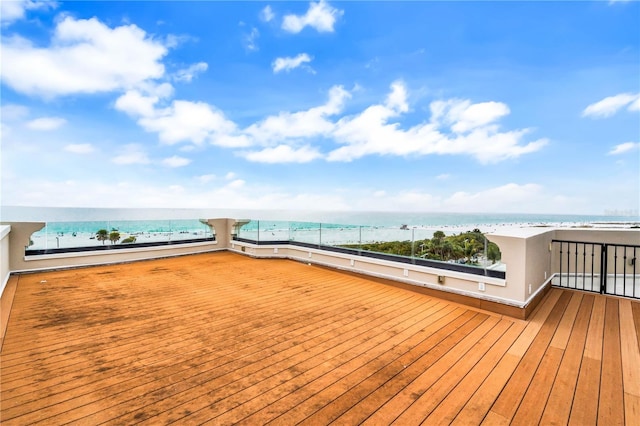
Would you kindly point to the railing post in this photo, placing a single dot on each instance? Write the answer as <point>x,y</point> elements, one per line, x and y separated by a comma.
<point>413,250</point>
<point>560,280</point>
<point>603,268</point>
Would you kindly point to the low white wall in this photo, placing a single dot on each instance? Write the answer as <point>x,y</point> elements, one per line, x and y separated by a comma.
<point>91,258</point>
<point>454,282</point>
<point>4,256</point>
<point>19,233</point>
<point>532,259</point>
<point>525,251</point>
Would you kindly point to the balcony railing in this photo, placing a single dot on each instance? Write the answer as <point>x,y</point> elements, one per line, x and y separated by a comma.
<point>350,239</point>
<point>597,267</point>
<point>68,237</point>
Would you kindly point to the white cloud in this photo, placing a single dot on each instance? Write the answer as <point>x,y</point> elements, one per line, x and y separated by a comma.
<point>235,184</point>
<point>206,178</point>
<point>136,104</point>
<point>612,104</point>
<point>182,121</point>
<point>509,197</point>
<point>131,154</point>
<point>284,154</point>
<point>443,176</point>
<point>310,123</point>
<point>188,74</point>
<point>455,127</point>
<point>85,56</point>
<point>250,42</point>
<point>176,161</point>
<point>231,141</point>
<point>230,175</point>
<point>321,16</point>
<point>624,147</point>
<point>397,100</point>
<point>372,133</point>
<point>80,148</point>
<point>288,63</point>
<point>13,112</point>
<point>187,121</point>
<point>267,14</point>
<point>14,10</point>
<point>46,123</point>
<point>463,116</point>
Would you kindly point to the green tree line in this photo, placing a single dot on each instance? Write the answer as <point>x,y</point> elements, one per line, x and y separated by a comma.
<point>465,247</point>
<point>113,236</point>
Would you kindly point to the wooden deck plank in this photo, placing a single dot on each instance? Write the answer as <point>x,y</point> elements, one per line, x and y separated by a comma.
<point>373,339</point>
<point>327,390</point>
<point>243,332</point>
<point>82,407</point>
<point>6,302</point>
<point>534,401</point>
<point>447,411</point>
<point>635,308</point>
<point>478,406</point>
<point>585,400</point>
<point>432,397</point>
<point>511,396</point>
<point>379,407</point>
<point>611,403</point>
<point>148,361</point>
<point>335,408</point>
<point>221,338</point>
<point>630,364</point>
<point>374,352</point>
<point>557,409</point>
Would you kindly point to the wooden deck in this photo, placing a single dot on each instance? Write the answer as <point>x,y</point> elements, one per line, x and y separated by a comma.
<point>222,338</point>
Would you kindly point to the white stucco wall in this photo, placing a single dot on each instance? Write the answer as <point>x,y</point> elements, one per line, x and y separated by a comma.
<point>454,282</point>
<point>4,256</point>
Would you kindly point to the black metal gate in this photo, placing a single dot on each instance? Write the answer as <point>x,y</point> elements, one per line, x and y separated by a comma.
<point>596,267</point>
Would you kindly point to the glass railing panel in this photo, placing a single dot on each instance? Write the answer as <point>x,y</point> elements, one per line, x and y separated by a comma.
<point>273,230</point>
<point>190,229</point>
<point>66,235</point>
<point>305,232</point>
<point>250,230</point>
<point>340,235</point>
<point>448,246</point>
<point>61,235</point>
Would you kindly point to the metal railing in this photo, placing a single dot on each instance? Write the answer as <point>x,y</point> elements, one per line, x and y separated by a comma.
<point>604,268</point>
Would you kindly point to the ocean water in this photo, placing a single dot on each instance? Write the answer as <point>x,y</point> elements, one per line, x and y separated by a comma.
<point>77,227</point>
<point>365,218</point>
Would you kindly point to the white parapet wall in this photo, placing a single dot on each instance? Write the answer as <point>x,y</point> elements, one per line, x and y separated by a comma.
<point>16,235</point>
<point>5,271</point>
<point>464,284</point>
<point>526,253</point>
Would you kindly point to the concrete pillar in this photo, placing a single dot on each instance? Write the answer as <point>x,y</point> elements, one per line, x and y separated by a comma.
<point>19,238</point>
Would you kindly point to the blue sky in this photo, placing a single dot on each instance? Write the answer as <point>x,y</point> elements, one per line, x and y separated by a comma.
<point>520,107</point>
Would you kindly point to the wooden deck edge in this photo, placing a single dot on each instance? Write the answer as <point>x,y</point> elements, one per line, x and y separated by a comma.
<point>469,301</point>
<point>533,304</point>
<point>6,302</point>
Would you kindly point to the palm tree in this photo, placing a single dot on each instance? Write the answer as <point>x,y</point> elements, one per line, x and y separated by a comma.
<point>102,235</point>
<point>114,236</point>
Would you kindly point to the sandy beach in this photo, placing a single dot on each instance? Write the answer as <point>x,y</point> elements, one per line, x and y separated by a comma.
<point>313,233</point>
